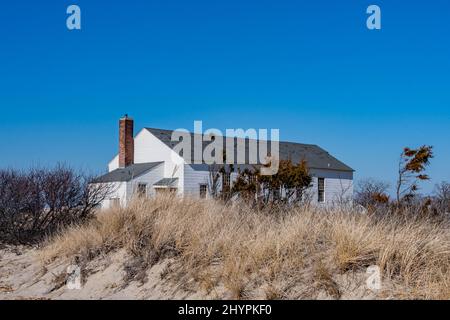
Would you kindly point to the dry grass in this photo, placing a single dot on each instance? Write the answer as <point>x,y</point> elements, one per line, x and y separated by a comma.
<point>296,254</point>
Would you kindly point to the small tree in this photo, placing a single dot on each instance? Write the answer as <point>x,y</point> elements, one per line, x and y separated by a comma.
<point>226,184</point>
<point>292,179</point>
<point>412,166</point>
<point>218,177</point>
<point>213,180</point>
<point>246,184</point>
<point>371,192</point>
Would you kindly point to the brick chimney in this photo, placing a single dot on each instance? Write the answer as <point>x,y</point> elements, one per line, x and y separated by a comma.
<point>126,142</point>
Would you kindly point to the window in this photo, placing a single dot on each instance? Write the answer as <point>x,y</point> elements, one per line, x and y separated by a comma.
<point>226,181</point>
<point>321,190</point>
<point>142,189</point>
<point>203,191</point>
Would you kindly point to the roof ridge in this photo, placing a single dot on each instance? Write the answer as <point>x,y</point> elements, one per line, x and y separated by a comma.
<point>128,173</point>
<point>224,136</point>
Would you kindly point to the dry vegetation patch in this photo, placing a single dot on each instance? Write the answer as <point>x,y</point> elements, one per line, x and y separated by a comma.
<point>286,253</point>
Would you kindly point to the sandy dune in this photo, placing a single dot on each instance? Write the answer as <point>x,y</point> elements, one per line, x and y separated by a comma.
<point>23,276</point>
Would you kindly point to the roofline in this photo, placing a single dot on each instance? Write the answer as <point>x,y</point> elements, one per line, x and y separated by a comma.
<point>158,163</point>
<point>162,142</point>
<point>342,170</point>
<point>245,164</point>
<point>247,138</point>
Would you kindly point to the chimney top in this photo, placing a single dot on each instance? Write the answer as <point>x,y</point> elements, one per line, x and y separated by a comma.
<point>125,117</point>
<point>126,142</point>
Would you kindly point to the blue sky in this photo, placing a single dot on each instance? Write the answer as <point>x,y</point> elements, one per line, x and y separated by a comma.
<point>311,69</point>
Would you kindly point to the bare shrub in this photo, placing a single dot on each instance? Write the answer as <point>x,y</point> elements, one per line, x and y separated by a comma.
<point>371,192</point>
<point>36,203</point>
<point>442,197</point>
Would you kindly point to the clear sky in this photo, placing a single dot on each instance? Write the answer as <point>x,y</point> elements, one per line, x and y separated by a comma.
<point>310,68</point>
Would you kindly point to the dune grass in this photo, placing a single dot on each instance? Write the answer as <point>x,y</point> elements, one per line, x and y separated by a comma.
<point>285,254</point>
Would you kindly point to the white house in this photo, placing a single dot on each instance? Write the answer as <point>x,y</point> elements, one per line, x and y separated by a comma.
<point>148,164</point>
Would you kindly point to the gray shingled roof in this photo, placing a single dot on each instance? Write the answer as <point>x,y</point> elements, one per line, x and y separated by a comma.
<point>128,173</point>
<point>166,182</point>
<point>316,157</point>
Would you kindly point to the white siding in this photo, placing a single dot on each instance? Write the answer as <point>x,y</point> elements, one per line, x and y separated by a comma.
<point>338,186</point>
<point>148,148</point>
<point>193,179</point>
<point>119,191</point>
<point>113,164</point>
<point>125,190</point>
<point>149,178</point>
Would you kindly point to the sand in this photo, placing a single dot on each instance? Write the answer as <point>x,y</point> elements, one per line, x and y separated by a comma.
<point>24,276</point>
